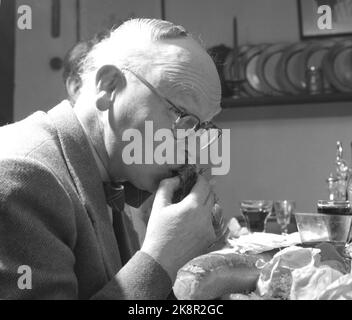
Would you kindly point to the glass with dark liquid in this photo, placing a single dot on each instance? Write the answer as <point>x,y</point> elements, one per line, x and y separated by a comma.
<point>340,224</point>
<point>334,207</point>
<point>256,213</point>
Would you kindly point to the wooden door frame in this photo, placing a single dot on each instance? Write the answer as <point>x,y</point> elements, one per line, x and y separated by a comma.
<point>7,60</point>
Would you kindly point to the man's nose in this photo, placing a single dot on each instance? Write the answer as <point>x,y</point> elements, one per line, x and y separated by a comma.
<point>188,153</point>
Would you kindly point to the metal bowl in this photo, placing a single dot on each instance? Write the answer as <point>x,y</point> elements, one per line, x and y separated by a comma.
<point>319,227</point>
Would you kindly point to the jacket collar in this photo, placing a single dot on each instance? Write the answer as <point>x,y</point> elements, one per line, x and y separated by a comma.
<point>87,180</point>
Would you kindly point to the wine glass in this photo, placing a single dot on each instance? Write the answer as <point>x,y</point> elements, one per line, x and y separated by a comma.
<point>283,211</point>
<point>256,213</point>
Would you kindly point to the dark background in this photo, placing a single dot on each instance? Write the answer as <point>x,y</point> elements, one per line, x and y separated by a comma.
<point>7,56</point>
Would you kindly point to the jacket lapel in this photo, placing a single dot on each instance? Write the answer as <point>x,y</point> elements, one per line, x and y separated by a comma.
<point>85,175</point>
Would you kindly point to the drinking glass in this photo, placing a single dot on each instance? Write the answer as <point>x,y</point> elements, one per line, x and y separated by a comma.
<point>256,213</point>
<point>334,207</point>
<point>283,211</point>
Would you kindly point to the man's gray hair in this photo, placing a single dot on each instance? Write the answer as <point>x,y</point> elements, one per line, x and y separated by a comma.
<point>157,29</point>
<point>126,46</point>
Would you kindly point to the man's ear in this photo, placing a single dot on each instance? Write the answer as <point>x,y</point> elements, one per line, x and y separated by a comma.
<point>73,85</point>
<point>109,82</point>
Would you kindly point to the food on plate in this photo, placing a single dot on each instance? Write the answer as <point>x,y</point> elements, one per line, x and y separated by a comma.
<point>298,273</point>
<point>275,280</point>
<point>294,273</point>
<point>216,274</point>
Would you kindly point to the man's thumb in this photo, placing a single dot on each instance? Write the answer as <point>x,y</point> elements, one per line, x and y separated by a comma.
<point>166,190</point>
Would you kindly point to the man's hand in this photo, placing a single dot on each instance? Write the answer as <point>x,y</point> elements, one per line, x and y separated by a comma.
<point>177,233</point>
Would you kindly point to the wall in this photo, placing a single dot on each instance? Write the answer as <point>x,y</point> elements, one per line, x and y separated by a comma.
<point>258,20</point>
<point>96,15</point>
<point>7,60</point>
<point>37,86</point>
<point>276,152</point>
<point>281,152</point>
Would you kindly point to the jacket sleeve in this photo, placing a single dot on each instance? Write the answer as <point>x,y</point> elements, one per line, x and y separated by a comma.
<point>38,233</point>
<point>142,278</point>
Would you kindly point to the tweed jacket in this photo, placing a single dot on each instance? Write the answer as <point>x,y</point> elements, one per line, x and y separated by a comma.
<point>54,219</point>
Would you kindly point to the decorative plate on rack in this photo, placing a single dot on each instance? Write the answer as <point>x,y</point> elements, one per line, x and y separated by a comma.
<point>229,70</point>
<point>253,86</point>
<point>288,75</point>
<point>337,66</point>
<point>267,68</point>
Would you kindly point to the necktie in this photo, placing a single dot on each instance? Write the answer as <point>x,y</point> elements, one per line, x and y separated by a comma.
<point>125,234</point>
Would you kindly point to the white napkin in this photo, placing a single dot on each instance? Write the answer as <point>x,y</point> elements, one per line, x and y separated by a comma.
<point>340,289</point>
<point>310,282</point>
<point>259,242</point>
<point>297,273</point>
<point>276,275</point>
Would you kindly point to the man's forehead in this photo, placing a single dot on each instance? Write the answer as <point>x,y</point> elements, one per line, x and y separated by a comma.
<point>186,73</point>
<point>183,51</point>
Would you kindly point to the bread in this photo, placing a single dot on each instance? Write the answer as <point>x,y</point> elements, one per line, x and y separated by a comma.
<point>216,274</point>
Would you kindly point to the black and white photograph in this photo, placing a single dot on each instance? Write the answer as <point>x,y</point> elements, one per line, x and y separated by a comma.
<point>181,153</point>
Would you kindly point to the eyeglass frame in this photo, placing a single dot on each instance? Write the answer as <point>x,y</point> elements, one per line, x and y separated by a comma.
<point>178,110</point>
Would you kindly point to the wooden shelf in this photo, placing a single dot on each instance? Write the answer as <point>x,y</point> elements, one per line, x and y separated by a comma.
<point>284,100</point>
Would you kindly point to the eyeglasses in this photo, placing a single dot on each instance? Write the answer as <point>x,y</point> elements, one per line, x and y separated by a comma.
<point>186,123</point>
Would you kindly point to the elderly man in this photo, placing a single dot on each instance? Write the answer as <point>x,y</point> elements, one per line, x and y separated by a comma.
<point>54,219</point>
<point>135,218</point>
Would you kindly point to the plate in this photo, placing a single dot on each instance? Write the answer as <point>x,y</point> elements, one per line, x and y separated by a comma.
<point>253,85</point>
<point>267,69</point>
<point>229,67</point>
<point>288,74</point>
<point>337,66</point>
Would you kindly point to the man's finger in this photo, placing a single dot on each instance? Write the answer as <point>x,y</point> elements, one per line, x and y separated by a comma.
<point>200,191</point>
<point>166,189</point>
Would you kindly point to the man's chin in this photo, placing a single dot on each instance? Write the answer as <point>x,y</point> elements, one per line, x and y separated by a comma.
<point>155,182</point>
<point>149,185</point>
<point>151,182</point>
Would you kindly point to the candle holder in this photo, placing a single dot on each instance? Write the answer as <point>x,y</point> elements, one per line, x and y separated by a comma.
<point>236,81</point>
